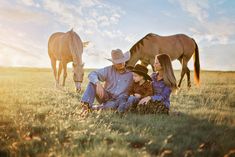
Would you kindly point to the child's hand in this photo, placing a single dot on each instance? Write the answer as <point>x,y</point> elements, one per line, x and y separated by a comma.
<point>137,95</point>
<point>145,100</point>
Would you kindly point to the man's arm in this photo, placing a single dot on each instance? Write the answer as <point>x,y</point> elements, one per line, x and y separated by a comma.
<point>99,75</point>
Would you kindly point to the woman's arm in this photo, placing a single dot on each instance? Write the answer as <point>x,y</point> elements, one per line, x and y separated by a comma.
<point>163,95</point>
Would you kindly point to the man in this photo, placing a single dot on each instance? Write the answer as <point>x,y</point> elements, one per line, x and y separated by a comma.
<point>116,78</point>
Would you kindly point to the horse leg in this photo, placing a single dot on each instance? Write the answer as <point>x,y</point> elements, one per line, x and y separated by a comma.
<point>53,65</point>
<point>188,76</point>
<point>186,70</point>
<point>181,78</point>
<point>183,71</point>
<point>65,72</point>
<point>59,71</point>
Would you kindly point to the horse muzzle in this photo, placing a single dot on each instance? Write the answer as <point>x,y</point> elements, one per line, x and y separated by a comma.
<point>78,86</point>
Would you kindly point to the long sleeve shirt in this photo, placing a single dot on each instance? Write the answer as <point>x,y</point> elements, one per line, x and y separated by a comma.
<point>161,91</point>
<point>144,90</point>
<point>115,83</point>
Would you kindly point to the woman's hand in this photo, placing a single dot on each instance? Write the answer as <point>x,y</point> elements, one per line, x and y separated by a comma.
<point>100,90</point>
<point>145,100</point>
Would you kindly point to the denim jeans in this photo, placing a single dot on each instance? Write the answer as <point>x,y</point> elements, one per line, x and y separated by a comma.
<point>125,102</point>
<point>108,101</point>
<point>90,94</point>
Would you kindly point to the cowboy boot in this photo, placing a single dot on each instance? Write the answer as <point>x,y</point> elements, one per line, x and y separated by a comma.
<point>85,108</point>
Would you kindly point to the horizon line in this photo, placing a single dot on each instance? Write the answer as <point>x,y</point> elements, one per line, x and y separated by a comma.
<point>88,68</point>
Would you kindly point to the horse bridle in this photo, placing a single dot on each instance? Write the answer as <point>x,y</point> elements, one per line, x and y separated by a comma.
<point>80,81</point>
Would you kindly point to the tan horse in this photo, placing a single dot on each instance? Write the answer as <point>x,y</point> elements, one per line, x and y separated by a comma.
<point>177,46</point>
<point>65,48</point>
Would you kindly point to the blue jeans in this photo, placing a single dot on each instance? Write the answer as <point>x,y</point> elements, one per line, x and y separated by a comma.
<point>114,103</point>
<point>108,101</point>
<point>125,102</point>
<point>90,94</point>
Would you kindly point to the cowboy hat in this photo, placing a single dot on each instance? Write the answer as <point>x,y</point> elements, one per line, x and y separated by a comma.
<point>141,70</point>
<point>118,56</point>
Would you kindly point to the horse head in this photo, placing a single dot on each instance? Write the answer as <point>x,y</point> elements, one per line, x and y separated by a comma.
<point>134,57</point>
<point>78,75</point>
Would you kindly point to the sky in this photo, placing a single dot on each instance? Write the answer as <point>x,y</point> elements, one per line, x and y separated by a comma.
<point>26,25</point>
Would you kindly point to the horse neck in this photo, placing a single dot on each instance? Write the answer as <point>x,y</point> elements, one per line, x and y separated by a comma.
<point>137,49</point>
<point>76,48</point>
<point>77,59</point>
<point>135,56</point>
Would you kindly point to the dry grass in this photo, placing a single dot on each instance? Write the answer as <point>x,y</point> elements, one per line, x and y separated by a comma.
<point>36,119</point>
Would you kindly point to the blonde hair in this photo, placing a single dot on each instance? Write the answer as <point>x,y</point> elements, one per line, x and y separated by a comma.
<point>168,74</point>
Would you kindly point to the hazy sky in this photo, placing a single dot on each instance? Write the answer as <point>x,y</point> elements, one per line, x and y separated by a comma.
<point>25,26</point>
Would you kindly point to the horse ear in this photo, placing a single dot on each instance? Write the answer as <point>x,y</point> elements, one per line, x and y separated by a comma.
<point>74,64</point>
<point>83,64</point>
<point>85,44</point>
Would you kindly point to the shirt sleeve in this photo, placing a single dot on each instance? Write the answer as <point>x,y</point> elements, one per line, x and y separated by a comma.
<point>159,97</point>
<point>98,75</point>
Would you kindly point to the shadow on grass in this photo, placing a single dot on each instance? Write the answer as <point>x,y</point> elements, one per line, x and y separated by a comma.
<point>178,135</point>
<point>187,133</point>
<point>158,135</point>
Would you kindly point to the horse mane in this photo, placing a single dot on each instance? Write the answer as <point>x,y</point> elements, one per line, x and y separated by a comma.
<point>74,47</point>
<point>140,42</point>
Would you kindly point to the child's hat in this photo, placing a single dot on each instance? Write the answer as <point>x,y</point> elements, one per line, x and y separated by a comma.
<point>141,70</point>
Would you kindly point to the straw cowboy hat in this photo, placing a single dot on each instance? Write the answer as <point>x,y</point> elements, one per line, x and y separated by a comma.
<point>118,56</point>
<point>142,70</point>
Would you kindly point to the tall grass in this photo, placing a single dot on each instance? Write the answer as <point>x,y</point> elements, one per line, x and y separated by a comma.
<point>36,119</point>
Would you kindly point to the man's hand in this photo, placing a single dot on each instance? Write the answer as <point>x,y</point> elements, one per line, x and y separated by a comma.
<point>145,100</point>
<point>100,90</point>
<point>137,95</point>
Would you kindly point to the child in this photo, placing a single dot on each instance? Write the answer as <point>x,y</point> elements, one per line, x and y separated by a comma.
<point>164,83</point>
<point>140,88</point>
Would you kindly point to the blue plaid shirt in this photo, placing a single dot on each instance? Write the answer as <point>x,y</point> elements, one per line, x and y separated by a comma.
<point>161,92</point>
<point>115,83</point>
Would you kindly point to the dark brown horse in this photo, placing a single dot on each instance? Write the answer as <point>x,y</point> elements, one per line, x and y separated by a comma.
<point>177,46</point>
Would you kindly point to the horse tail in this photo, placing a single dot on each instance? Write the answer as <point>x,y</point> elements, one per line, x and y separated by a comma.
<point>196,65</point>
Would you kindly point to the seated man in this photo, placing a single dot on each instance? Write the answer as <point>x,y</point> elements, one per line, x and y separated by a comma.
<point>116,78</point>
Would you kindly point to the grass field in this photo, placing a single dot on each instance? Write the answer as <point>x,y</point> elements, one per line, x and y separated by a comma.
<point>36,119</point>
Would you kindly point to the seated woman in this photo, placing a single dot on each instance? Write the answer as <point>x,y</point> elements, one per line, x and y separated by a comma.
<point>164,83</point>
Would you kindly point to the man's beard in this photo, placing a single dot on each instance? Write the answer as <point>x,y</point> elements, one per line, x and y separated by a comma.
<point>121,70</point>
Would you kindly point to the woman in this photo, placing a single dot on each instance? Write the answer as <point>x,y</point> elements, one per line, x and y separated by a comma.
<point>164,83</point>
